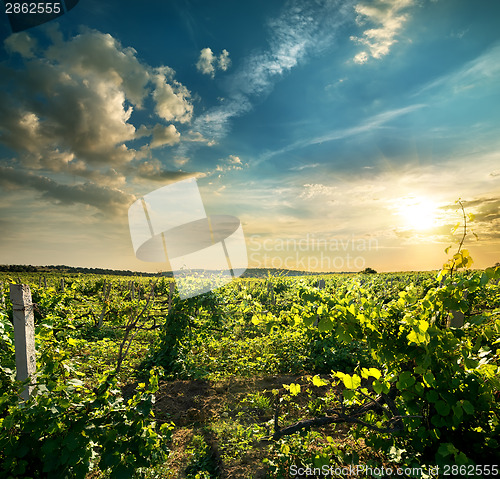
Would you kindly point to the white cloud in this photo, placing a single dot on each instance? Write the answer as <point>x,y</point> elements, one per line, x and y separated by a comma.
<point>172,98</point>
<point>208,63</point>
<point>68,109</point>
<point>22,43</point>
<point>91,85</point>
<point>224,62</point>
<point>361,57</point>
<point>96,55</point>
<point>160,135</point>
<point>303,167</point>
<point>165,135</point>
<point>389,19</point>
<point>302,29</point>
<point>232,162</point>
<point>197,137</point>
<point>313,190</point>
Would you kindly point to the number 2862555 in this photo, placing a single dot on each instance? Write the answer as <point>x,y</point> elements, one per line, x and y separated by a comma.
<point>33,7</point>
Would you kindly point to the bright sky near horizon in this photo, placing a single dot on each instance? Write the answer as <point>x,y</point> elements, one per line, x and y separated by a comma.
<point>341,133</point>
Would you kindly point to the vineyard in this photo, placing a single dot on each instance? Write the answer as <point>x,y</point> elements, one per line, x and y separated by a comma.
<point>278,377</point>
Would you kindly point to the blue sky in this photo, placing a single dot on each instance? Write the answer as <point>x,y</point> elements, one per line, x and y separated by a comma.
<point>348,126</point>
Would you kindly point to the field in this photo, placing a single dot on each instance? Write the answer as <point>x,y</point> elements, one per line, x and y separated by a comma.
<point>272,377</point>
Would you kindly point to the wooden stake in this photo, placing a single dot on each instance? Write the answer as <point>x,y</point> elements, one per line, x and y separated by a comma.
<point>170,295</point>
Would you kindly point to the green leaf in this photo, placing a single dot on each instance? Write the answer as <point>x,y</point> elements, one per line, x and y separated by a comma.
<point>255,320</point>
<point>22,450</point>
<point>294,389</point>
<point>348,394</point>
<point>378,387</point>
<point>458,411</point>
<point>351,382</point>
<point>405,381</point>
<point>429,379</point>
<point>374,372</point>
<point>484,279</point>
<point>442,408</point>
<point>325,325</point>
<point>468,407</point>
<point>447,449</point>
<point>343,334</point>
<point>123,471</point>
<point>432,396</point>
<point>309,320</point>
<point>418,337</point>
<point>318,382</point>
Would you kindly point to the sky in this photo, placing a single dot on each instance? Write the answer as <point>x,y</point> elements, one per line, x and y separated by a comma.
<point>340,133</point>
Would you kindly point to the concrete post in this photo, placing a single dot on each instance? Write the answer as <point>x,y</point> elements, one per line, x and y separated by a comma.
<point>24,334</point>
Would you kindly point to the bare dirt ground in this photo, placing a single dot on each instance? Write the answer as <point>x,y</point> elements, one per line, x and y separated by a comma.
<point>196,407</point>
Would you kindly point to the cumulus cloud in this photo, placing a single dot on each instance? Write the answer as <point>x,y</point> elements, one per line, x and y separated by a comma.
<point>172,98</point>
<point>224,62</point>
<point>161,135</point>
<point>208,63</point>
<point>21,43</point>
<point>96,55</point>
<point>68,108</point>
<point>78,98</point>
<point>389,19</point>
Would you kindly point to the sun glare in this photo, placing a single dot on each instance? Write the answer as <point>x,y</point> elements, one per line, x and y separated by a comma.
<point>418,213</point>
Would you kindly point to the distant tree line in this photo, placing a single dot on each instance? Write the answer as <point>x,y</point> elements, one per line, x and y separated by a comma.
<point>28,268</point>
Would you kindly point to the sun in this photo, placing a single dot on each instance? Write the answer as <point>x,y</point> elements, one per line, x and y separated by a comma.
<point>418,214</point>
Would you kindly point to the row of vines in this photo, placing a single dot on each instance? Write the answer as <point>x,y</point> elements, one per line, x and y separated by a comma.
<point>378,375</point>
